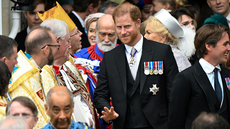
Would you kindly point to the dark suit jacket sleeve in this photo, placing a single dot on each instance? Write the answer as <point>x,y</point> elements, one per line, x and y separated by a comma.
<point>101,94</point>
<point>179,101</point>
<point>171,70</point>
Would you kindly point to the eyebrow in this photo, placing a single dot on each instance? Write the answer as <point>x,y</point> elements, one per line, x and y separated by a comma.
<point>58,106</point>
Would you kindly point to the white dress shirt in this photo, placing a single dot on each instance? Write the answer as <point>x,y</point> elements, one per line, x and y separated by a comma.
<point>209,70</point>
<point>138,47</point>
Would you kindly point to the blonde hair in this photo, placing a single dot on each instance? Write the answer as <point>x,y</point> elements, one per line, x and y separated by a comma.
<point>161,29</point>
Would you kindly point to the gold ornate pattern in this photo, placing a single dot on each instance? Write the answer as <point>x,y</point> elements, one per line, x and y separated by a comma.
<point>26,81</point>
<point>48,78</point>
<point>79,85</point>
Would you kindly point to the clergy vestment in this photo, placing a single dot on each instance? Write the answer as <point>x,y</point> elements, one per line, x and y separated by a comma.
<point>26,81</point>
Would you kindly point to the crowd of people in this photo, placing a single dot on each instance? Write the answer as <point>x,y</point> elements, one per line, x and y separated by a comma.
<point>121,64</point>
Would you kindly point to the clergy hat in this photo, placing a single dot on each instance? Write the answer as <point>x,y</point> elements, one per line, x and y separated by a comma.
<point>59,13</point>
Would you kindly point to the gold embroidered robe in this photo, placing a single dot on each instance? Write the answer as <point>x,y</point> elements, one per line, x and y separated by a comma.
<point>26,81</point>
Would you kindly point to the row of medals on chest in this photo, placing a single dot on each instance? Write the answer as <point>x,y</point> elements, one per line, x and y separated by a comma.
<point>148,70</point>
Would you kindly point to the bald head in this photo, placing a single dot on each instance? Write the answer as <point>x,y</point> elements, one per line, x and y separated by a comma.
<point>105,21</point>
<point>59,107</point>
<point>38,37</point>
<point>58,91</point>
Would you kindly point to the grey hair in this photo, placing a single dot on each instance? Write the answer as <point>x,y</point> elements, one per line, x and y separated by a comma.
<point>50,92</point>
<point>57,27</point>
<point>18,122</point>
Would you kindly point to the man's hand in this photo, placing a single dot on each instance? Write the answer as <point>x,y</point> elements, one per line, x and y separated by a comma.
<point>109,114</point>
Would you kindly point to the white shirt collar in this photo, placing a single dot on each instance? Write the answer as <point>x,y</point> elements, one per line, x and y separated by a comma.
<point>79,18</point>
<point>207,67</point>
<point>228,19</point>
<point>28,30</point>
<point>138,46</point>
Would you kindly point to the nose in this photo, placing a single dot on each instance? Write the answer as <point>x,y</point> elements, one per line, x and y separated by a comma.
<point>106,39</point>
<point>36,16</point>
<point>123,31</point>
<point>217,1</point>
<point>80,33</point>
<point>62,115</point>
<point>228,47</point>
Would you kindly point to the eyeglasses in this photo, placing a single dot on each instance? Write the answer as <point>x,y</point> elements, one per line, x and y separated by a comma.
<point>187,24</point>
<point>24,115</point>
<point>75,33</point>
<point>58,46</point>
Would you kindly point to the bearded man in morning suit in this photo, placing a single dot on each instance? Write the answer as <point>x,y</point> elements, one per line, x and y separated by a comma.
<point>203,86</point>
<point>140,96</point>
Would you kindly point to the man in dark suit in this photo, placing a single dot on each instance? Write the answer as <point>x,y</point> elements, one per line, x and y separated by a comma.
<point>205,85</point>
<point>83,8</point>
<point>139,91</point>
<point>32,20</point>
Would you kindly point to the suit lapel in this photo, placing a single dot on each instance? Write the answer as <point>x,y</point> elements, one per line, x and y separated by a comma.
<point>205,85</point>
<point>120,61</point>
<point>147,55</point>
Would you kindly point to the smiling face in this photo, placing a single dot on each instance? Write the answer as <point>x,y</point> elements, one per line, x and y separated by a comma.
<point>218,54</point>
<point>92,33</point>
<point>32,16</point>
<point>127,30</point>
<point>219,6</point>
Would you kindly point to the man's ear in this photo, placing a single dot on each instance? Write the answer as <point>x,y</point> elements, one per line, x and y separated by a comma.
<point>36,120</point>
<point>58,40</point>
<point>167,6</point>
<point>208,47</point>
<point>208,2</point>
<point>3,59</point>
<point>90,7</point>
<point>45,50</point>
<point>138,23</point>
<point>47,109</point>
<point>25,15</point>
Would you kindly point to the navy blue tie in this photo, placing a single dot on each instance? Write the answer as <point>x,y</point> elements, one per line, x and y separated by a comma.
<point>217,85</point>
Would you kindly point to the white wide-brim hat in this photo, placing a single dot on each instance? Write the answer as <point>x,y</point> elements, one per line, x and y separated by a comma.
<point>170,23</point>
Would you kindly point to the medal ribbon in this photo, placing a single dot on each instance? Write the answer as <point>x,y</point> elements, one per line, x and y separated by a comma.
<point>155,62</point>
<point>160,65</point>
<point>132,55</point>
<point>227,81</point>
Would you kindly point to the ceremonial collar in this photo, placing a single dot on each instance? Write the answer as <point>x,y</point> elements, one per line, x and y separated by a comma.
<point>98,51</point>
<point>58,68</point>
